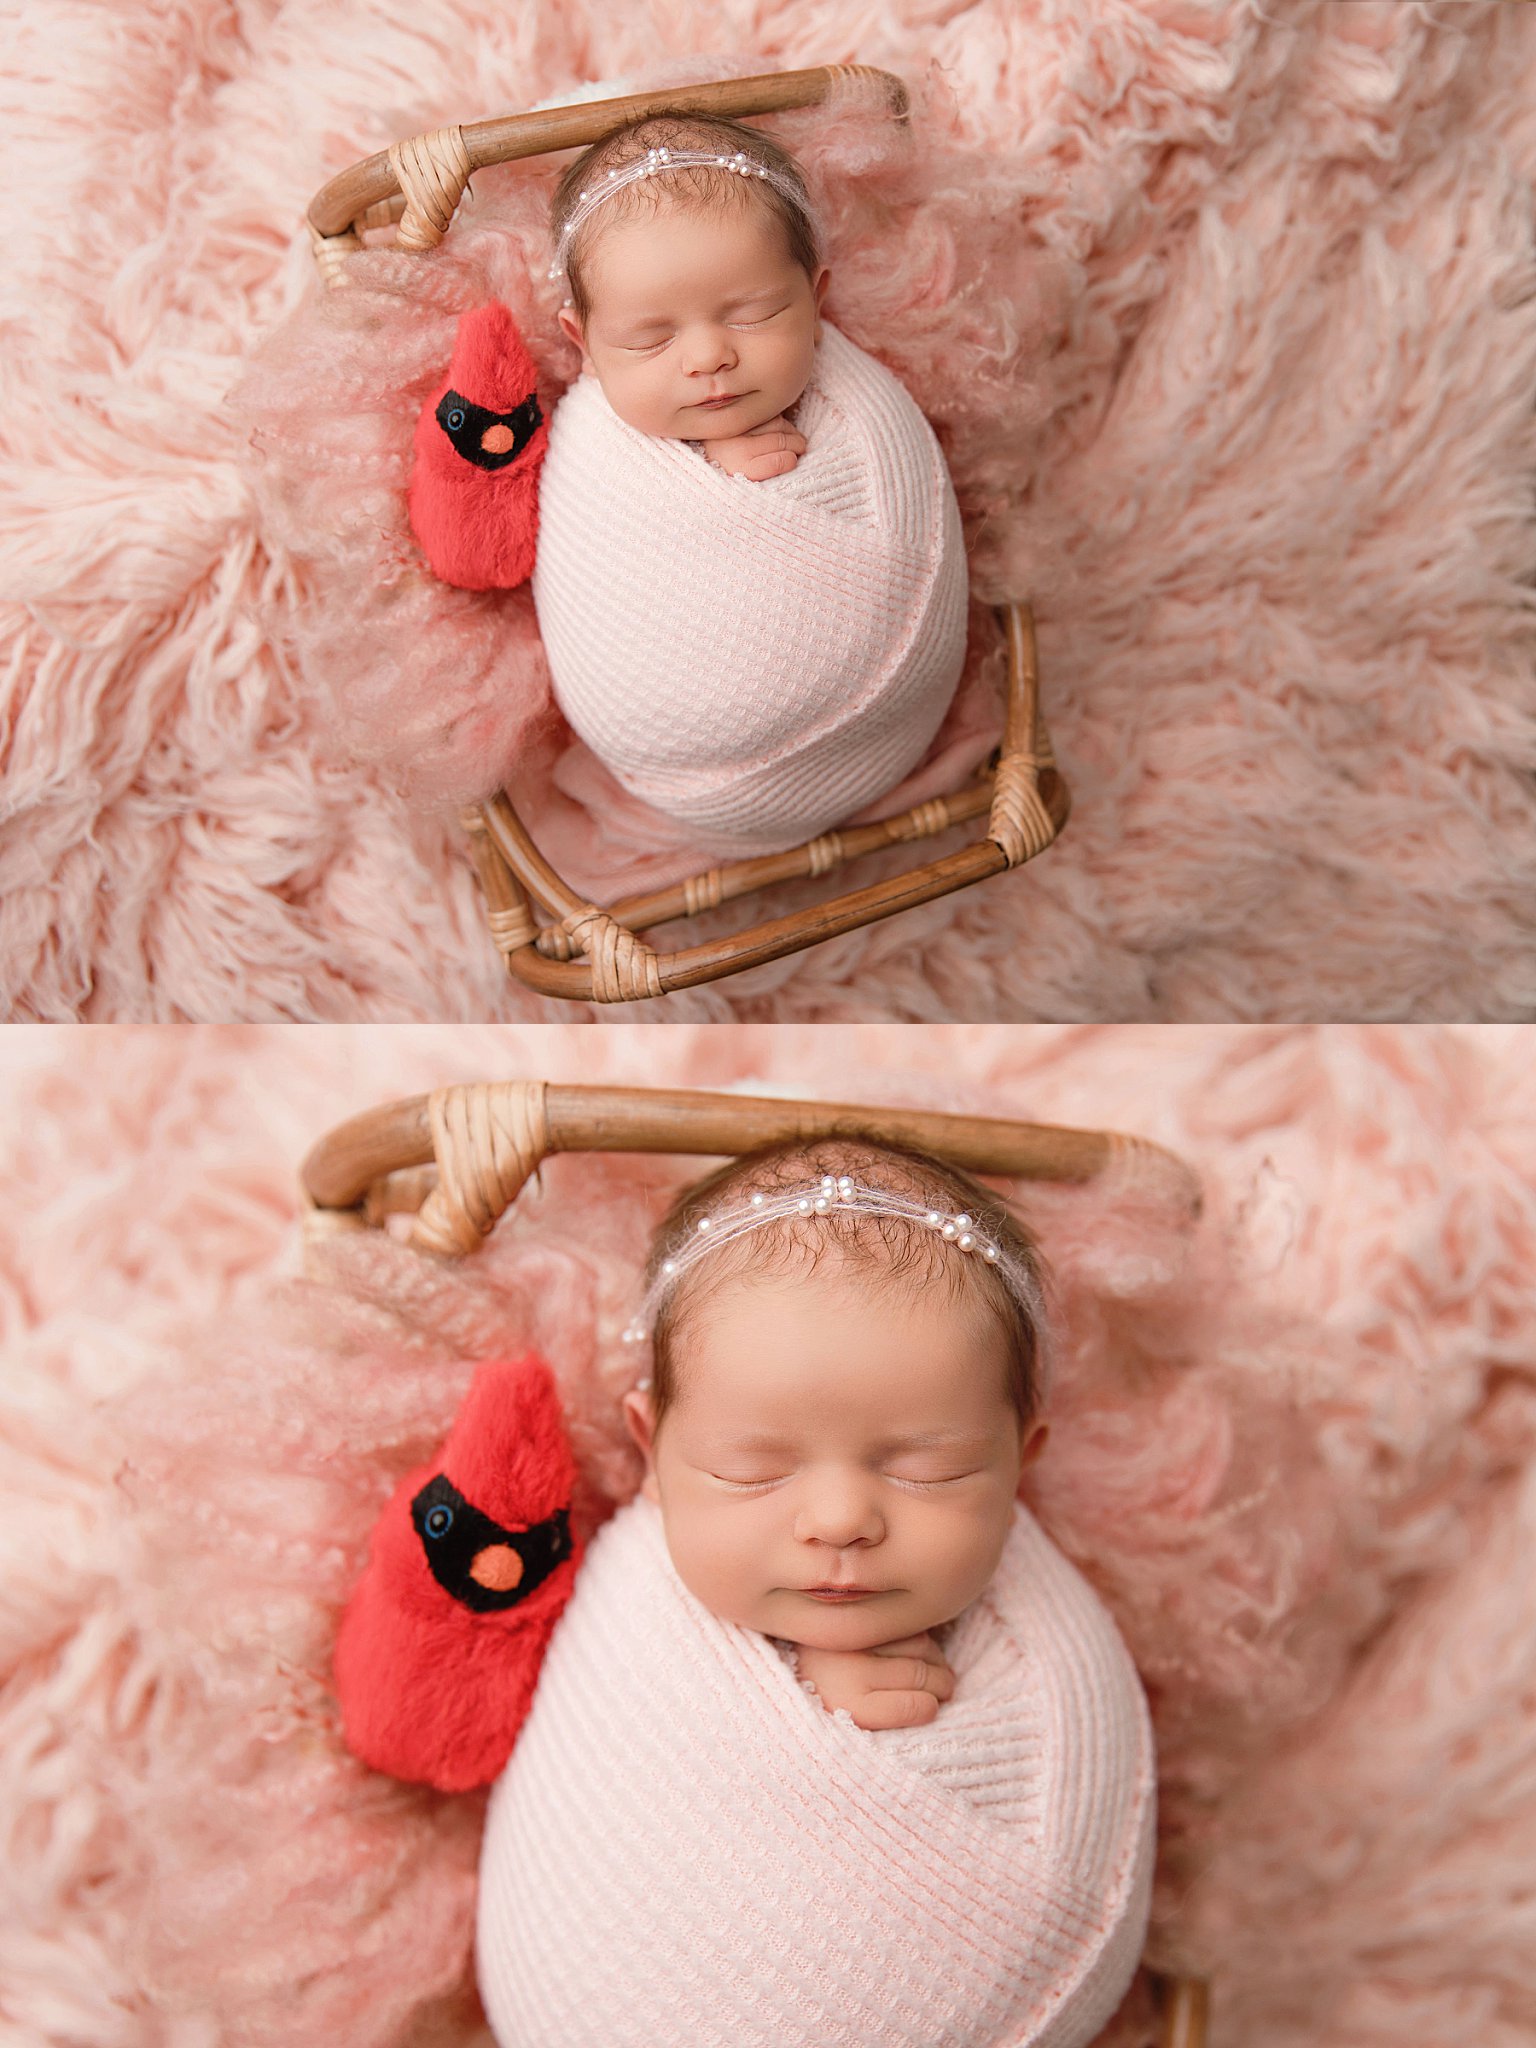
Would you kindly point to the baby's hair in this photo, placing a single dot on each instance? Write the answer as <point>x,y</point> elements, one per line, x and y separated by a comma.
<point>701,188</point>
<point>891,1244</point>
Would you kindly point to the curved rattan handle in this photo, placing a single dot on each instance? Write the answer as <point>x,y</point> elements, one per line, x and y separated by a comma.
<point>428,173</point>
<point>486,1139</point>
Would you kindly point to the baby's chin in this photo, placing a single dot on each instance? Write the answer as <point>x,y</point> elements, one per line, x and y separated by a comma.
<point>860,1625</point>
<point>689,423</point>
<point>730,420</point>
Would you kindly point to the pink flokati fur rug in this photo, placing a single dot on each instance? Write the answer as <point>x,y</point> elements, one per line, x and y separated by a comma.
<point>1225,314</point>
<point>1296,1453</point>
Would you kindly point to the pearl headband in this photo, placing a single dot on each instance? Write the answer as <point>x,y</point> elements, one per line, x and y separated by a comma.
<point>822,1197</point>
<point>665,159</point>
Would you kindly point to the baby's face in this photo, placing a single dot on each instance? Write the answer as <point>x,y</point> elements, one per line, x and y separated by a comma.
<point>836,1428</point>
<point>686,306</point>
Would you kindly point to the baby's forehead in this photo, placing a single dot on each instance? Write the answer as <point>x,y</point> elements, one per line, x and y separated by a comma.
<point>846,1330</point>
<point>719,1422</point>
<point>620,258</point>
<point>735,1420</point>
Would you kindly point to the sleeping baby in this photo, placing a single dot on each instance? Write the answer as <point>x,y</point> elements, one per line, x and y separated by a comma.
<point>751,576</point>
<point>831,1744</point>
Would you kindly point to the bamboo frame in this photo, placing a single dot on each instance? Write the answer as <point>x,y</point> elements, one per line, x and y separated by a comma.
<point>392,183</point>
<point>482,1143</point>
<point>458,1159</point>
<point>1186,2013</point>
<point>584,952</point>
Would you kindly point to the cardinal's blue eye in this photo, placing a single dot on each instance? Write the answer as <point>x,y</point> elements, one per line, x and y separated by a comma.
<point>439,1520</point>
<point>455,419</point>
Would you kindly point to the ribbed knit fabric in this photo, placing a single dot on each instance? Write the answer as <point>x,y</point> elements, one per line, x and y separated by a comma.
<point>687,1851</point>
<point>755,660</point>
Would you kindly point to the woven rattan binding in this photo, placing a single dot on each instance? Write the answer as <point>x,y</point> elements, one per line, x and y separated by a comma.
<point>458,1158</point>
<point>551,938</point>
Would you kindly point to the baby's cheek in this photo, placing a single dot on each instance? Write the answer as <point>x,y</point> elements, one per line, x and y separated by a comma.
<point>719,1558</point>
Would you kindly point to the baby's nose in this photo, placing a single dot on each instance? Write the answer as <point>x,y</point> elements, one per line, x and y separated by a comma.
<point>839,1511</point>
<point>710,351</point>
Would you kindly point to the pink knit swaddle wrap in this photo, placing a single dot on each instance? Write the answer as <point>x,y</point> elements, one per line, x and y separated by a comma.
<point>756,660</point>
<point>687,1851</point>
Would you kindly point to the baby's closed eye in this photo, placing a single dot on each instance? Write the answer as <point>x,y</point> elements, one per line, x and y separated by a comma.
<point>644,348</point>
<point>758,1484</point>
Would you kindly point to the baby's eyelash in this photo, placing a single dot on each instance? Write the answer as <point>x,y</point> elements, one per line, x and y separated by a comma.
<point>756,1485</point>
<point>650,348</point>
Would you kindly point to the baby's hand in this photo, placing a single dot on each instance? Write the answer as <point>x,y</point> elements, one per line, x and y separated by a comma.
<point>898,1685</point>
<point>772,449</point>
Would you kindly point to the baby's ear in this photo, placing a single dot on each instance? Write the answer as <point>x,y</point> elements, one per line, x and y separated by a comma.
<point>570,327</point>
<point>640,1417</point>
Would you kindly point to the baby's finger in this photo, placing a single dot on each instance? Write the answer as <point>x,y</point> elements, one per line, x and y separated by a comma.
<point>926,1648</point>
<point>894,1710</point>
<point>911,1674</point>
<point>732,447</point>
<point>761,467</point>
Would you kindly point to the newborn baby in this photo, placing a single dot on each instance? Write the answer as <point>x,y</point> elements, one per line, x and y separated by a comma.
<point>751,581</point>
<point>831,1744</point>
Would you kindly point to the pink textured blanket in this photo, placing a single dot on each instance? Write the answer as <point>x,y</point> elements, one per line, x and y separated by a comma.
<point>687,1851</point>
<point>758,661</point>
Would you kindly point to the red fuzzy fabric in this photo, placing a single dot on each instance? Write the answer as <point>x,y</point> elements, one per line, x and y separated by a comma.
<point>479,528</point>
<point>431,1691</point>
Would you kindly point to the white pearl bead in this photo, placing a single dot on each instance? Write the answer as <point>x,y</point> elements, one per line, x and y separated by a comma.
<point>948,1230</point>
<point>706,1223</point>
<point>989,1253</point>
<point>804,1205</point>
<point>821,1205</point>
<point>965,1240</point>
<point>758,1200</point>
<point>669,1267</point>
<point>933,1219</point>
<point>962,1219</point>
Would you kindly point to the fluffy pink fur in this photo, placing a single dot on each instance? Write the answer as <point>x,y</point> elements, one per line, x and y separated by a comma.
<point>1227,319</point>
<point>1296,1452</point>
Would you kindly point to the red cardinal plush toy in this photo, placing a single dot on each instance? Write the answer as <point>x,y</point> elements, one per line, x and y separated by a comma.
<point>480,442</point>
<point>468,1570</point>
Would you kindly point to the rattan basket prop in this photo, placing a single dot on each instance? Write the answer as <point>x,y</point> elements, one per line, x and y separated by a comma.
<point>458,1158</point>
<point>552,938</point>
